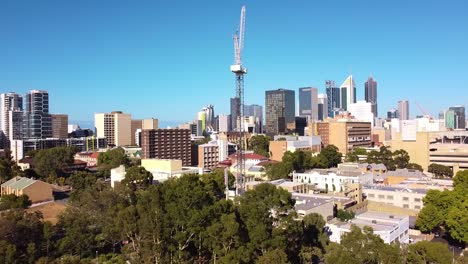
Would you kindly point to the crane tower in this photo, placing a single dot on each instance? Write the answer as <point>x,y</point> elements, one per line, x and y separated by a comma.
<point>239,72</point>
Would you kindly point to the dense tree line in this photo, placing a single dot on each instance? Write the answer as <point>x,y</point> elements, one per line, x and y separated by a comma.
<point>260,144</point>
<point>447,209</point>
<point>187,220</point>
<point>300,161</point>
<point>440,171</point>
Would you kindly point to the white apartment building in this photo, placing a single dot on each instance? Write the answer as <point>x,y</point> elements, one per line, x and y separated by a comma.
<point>333,180</point>
<point>390,228</point>
<point>362,111</point>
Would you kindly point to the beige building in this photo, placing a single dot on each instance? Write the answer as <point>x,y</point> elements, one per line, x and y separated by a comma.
<point>405,198</point>
<point>279,146</point>
<point>59,126</point>
<point>116,127</point>
<point>137,124</point>
<point>163,169</point>
<point>345,133</point>
<point>37,191</point>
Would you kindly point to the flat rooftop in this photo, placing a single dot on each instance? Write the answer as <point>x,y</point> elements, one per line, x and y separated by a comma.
<point>377,220</point>
<point>402,189</point>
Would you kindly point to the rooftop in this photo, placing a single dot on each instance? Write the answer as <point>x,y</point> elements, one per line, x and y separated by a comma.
<point>393,189</point>
<point>18,183</point>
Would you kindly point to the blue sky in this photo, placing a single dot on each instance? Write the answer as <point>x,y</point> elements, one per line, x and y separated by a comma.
<point>167,59</point>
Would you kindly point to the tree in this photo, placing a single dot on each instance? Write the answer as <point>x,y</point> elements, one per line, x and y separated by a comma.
<point>440,171</point>
<point>51,163</point>
<point>429,218</point>
<point>401,158</point>
<point>276,256</point>
<point>429,252</point>
<point>460,182</point>
<point>137,177</point>
<point>8,167</point>
<point>414,166</point>
<point>112,158</point>
<point>12,201</point>
<point>344,215</point>
<point>332,155</point>
<point>386,157</point>
<point>352,157</point>
<point>279,170</point>
<point>457,224</point>
<point>373,157</point>
<point>260,145</point>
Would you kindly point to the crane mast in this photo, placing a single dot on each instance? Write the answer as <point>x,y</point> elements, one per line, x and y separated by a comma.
<point>239,72</point>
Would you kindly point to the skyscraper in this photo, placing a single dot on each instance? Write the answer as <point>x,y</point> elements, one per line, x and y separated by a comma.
<point>59,126</point>
<point>403,109</point>
<point>322,107</point>
<point>308,102</point>
<point>11,115</point>
<point>348,92</point>
<point>209,116</point>
<point>370,90</point>
<point>333,97</point>
<point>37,120</point>
<point>257,112</point>
<point>235,102</point>
<point>279,110</point>
<point>459,117</point>
<point>392,113</point>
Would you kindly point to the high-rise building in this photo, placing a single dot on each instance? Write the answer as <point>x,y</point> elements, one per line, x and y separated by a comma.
<point>37,122</point>
<point>11,115</point>
<point>116,127</point>
<point>279,110</point>
<point>209,116</point>
<point>308,102</point>
<point>167,144</point>
<point>362,111</point>
<point>348,92</point>
<point>235,103</point>
<point>202,118</point>
<point>403,109</point>
<point>300,125</point>
<point>370,90</point>
<point>392,113</point>
<point>224,123</point>
<point>459,117</point>
<point>322,107</point>
<point>255,111</point>
<point>333,97</point>
<point>59,126</point>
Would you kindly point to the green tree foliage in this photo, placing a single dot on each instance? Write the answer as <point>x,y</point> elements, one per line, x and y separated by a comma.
<point>8,167</point>
<point>137,177</point>
<point>362,247</point>
<point>414,166</point>
<point>353,156</point>
<point>12,201</point>
<point>401,158</point>
<point>112,158</point>
<point>429,252</point>
<point>440,171</point>
<point>276,256</point>
<point>260,145</point>
<point>50,163</point>
<point>344,215</point>
<point>332,155</point>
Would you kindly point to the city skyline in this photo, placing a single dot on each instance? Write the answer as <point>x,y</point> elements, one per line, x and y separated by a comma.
<point>81,61</point>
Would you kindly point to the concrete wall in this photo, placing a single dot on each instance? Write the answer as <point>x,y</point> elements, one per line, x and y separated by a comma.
<point>161,165</point>
<point>39,192</point>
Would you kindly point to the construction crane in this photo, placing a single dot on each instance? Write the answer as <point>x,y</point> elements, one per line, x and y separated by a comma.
<point>239,72</point>
<point>422,111</point>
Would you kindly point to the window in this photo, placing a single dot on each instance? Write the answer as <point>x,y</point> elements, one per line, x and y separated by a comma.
<point>389,197</point>
<point>371,195</point>
<point>418,200</point>
<point>381,196</point>
<point>405,199</point>
<point>405,206</point>
<point>417,207</point>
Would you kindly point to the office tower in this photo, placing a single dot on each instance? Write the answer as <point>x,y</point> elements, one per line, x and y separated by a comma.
<point>202,119</point>
<point>300,125</point>
<point>235,102</point>
<point>11,115</point>
<point>279,110</point>
<point>403,109</point>
<point>59,126</point>
<point>308,102</point>
<point>224,123</point>
<point>459,117</point>
<point>256,111</point>
<point>116,127</point>
<point>333,97</point>
<point>322,107</point>
<point>362,111</point>
<point>136,125</point>
<point>209,116</point>
<point>348,93</point>
<point>392,113</point>
<point>370,90</point>
<point>150,123</point>
<point>167,144</point>
<point>37,122</point>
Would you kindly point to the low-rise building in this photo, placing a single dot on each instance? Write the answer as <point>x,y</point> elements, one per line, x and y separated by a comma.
<point>163,169</point>
<point>307,204</point>
<point>333,180</point>
<point>405,198</point>
<point>213,152</point>
<point>36,190</point>
<point>91,158</point>
<point>292,187</point>
<point>390,228</point>
<point>281,144</point>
